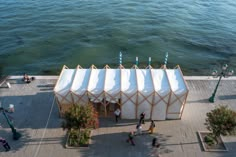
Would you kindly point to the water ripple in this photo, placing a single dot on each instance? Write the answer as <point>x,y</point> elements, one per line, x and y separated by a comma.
<point>34,33</point>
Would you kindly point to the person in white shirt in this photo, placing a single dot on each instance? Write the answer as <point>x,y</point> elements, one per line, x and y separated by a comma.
<point>117,114</point>
<point>139,129</point>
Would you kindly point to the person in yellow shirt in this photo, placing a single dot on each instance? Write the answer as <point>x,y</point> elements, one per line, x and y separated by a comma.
<point>152,126</point>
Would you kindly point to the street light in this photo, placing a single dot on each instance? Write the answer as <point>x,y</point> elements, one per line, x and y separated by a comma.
<point>224,73</point>
<point>16,135</point>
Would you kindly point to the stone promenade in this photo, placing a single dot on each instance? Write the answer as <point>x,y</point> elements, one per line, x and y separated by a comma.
<point>36,118</point>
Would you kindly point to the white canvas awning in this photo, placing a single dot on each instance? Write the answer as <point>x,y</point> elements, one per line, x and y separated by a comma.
<point>179,93</point>
<point>80,86</point>
<point>162,94</point>
<point>145,91</point>
<point>96,85</point>
<point>62,88</point>
<point>128,93</point>
<point>112,85</point>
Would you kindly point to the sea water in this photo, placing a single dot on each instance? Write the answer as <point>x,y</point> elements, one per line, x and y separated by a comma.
<point>40,36</point>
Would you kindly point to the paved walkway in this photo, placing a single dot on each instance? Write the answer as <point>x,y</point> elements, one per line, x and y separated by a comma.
<point>36,118</point>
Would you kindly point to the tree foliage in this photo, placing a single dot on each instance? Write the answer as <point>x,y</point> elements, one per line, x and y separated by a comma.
<point>221,121</point>
<point>79,116</point>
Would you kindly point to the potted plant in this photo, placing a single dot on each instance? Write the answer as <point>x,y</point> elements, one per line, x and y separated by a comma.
<point>220,121</point>
<point>79,120</point>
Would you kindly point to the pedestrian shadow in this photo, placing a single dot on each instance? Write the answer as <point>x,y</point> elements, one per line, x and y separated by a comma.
<point>110,122</point>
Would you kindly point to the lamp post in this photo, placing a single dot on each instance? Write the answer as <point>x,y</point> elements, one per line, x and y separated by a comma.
<point>16,135</point>
<point>224,73</point>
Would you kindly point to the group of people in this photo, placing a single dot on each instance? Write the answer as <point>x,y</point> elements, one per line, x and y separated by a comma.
<point>139,129</point>
<point>131,134</point>
<point>27,79</point>
<point>142,121</point>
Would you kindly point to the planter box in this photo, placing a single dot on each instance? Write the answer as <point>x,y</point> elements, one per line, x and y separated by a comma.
<point>220,147</point>
<point>80,145</point>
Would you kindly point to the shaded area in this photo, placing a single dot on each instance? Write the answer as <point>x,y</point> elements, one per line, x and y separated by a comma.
<point>227,97</point>
<point>14,144</point>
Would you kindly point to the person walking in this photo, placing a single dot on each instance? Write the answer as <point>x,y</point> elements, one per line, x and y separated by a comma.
<point>5,144</point>
<point>139,129</point>
<point>117,114</point>
<point>156,146</point>
<point>152,126</point>
<point>130,138</point>
<point>142,117</point>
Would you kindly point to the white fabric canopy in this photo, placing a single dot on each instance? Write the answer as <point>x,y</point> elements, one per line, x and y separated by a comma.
<point>145,91</point>
<point>112,85</point>
<point>62,89</point>
<point>80,85</point>
<point>160,93</point>
<point>179,91</point>
<point>96,85</point>
<point>129,93</point>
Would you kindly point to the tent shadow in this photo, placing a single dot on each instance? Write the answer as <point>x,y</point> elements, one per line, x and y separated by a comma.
<point>105,145</point>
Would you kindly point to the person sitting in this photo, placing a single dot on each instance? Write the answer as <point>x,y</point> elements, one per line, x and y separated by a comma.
<point>26,78</point>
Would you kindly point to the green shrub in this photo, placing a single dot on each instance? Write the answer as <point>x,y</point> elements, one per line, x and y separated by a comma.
<point>77,138</point>
<point>78,117</point>
<point>209,140</point>
<point>84,136</point>
<point>221,121</point>
<point>73,138</point>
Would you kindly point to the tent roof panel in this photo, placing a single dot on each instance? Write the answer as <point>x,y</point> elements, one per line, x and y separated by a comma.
<point>176,80</point>
<point>65,81</point>
<point>160,81</point>
<point>128,81</point>
<point>144,80</point>
<point>96,82</point>
<point>81,80</point>
<point>112,83</point>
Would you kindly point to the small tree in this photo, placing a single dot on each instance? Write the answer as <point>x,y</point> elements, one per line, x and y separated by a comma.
<point>221,121</point>
<point>79,116</point>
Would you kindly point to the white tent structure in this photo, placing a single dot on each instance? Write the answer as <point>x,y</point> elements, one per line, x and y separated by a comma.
<point>160,93</point>
<point>145,92</point>
<point>128,93</point>
<point>179,92</point>
<point>80,85</point>
<point>63,86</point>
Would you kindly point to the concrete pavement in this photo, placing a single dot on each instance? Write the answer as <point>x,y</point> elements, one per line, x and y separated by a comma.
<point>36,118</point>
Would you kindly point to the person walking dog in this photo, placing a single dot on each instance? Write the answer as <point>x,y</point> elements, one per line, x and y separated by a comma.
<point>5,144</point>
